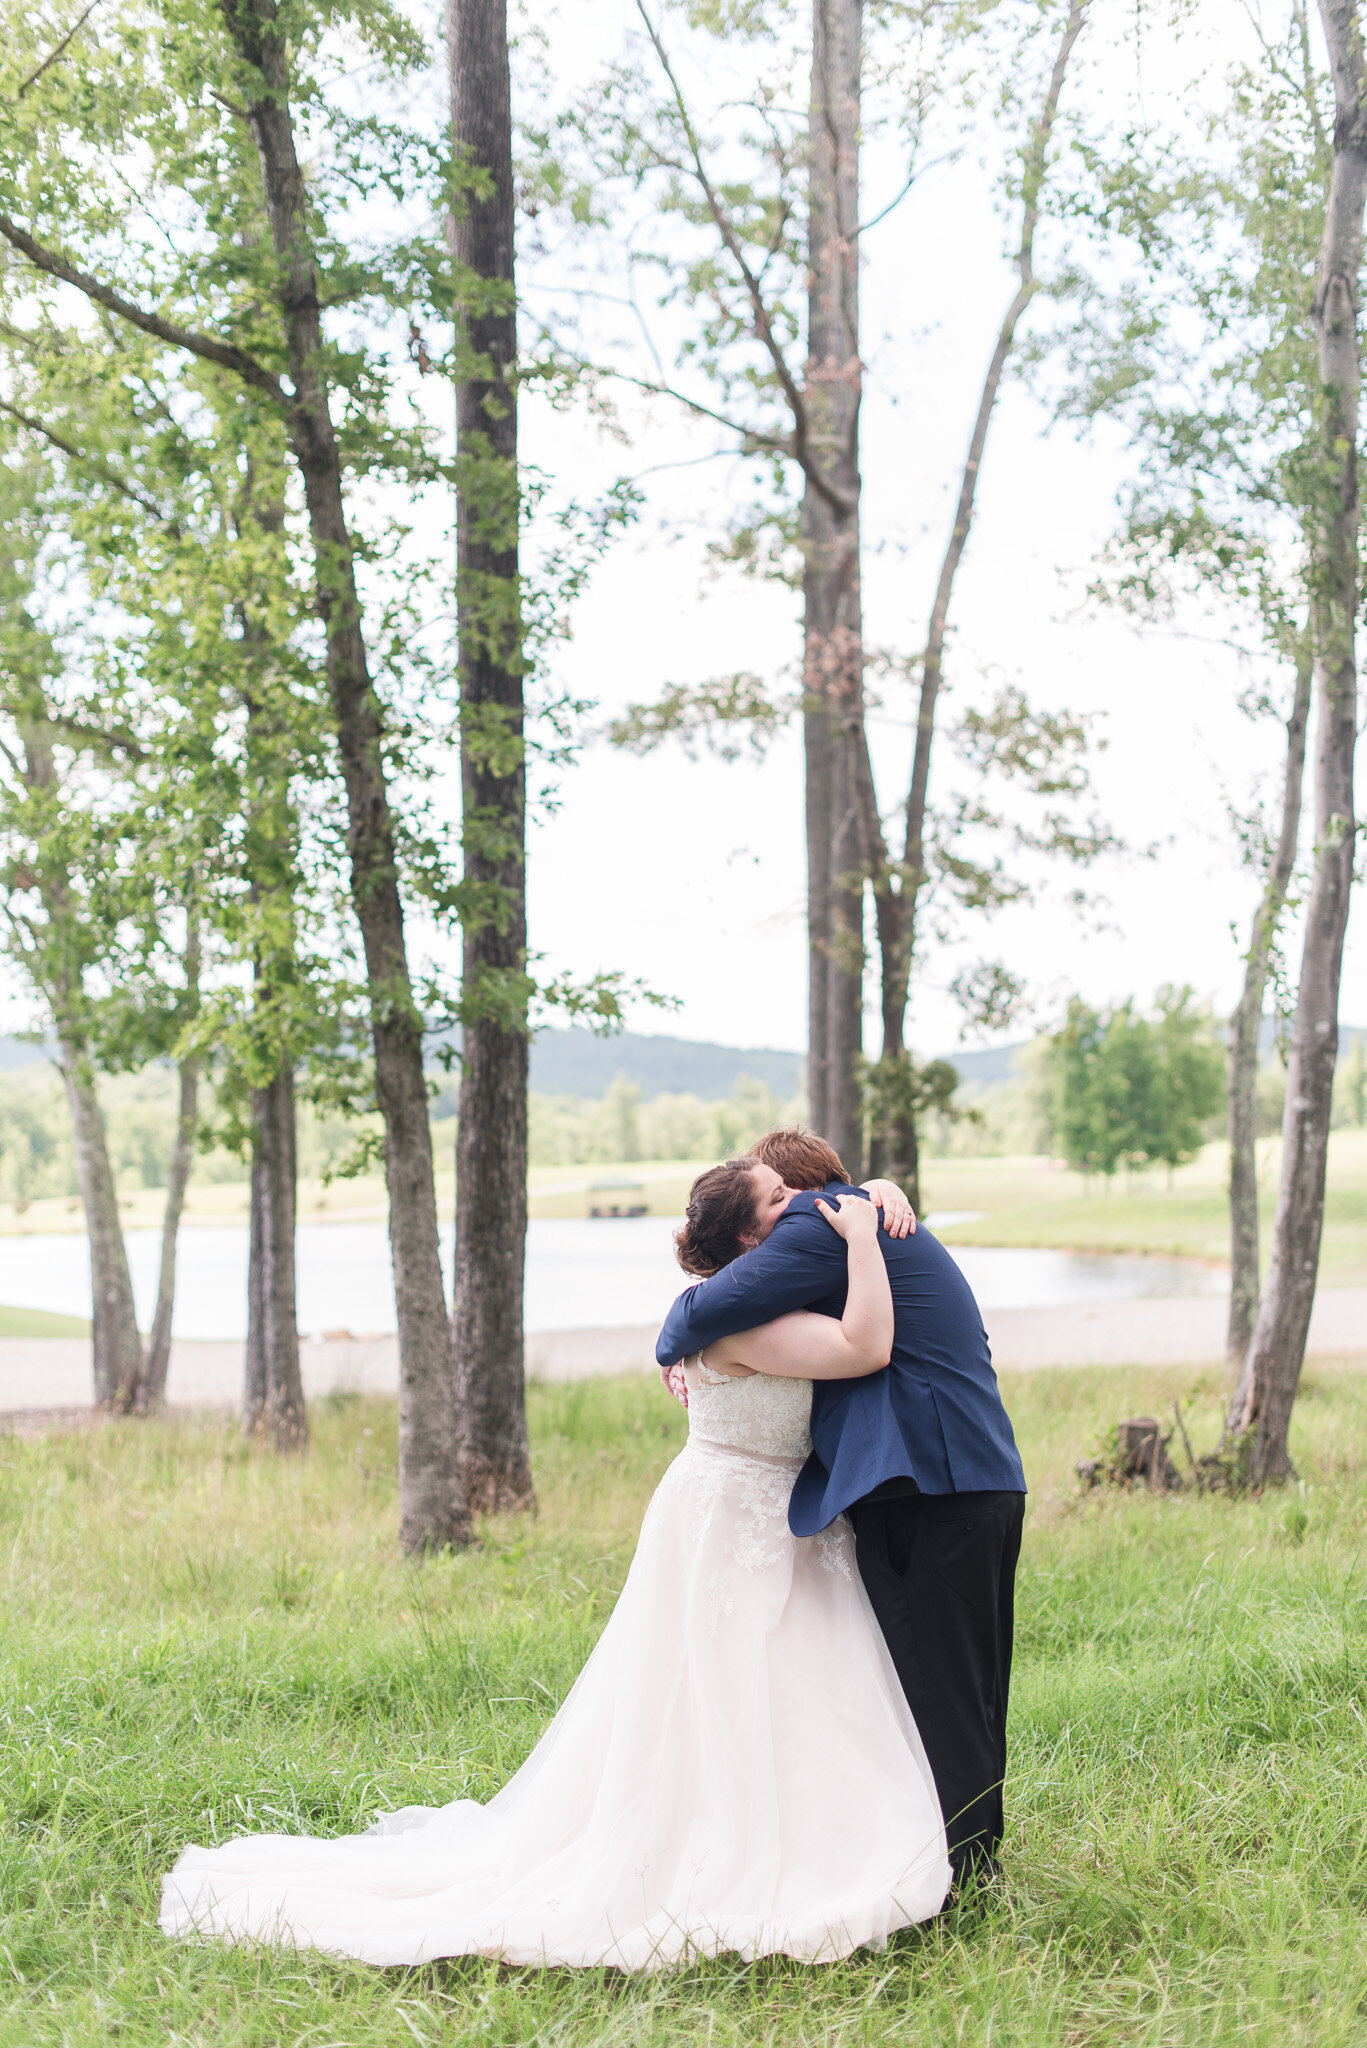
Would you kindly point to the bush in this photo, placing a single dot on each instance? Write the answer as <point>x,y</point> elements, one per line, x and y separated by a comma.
<point>1130,1090</point>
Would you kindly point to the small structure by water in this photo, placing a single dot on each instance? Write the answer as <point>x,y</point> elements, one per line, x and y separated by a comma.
<point>619,1208</point>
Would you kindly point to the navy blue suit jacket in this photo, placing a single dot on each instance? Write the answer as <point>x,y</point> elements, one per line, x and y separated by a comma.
<point>932,1415</point>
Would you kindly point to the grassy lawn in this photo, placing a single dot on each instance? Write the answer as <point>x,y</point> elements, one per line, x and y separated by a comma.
<point>198,1639</point>
<point>37,1322</point>
<point>1035,1202</point>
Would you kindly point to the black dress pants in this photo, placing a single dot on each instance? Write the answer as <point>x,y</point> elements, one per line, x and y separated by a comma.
<point>940,1572</point>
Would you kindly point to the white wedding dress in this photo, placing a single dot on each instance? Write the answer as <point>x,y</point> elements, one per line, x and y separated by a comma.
<point>735,1768</point>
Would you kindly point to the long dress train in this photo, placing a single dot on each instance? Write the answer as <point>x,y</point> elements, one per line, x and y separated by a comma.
<point>735,1768</point>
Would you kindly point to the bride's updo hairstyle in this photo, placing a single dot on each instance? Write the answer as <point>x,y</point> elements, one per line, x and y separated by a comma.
<point>720,1213</point>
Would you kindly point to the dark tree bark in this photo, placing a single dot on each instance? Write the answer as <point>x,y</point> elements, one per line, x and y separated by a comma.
<point>1243,1037</point>
<point>833,633</point>
<point>273,1401</point>
<point>178,1179</point>
<point>895,1148</point>
<point>432,1512</point>
<point>491,1132</point>
<point>1260,1410</point>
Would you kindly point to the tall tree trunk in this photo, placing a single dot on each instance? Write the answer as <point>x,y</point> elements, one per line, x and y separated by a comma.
<point>817,749</point>
<point>432,1511</point>
<point>896,1149</point>
<point>116,1343</point>
<point>1244,1029</point>
<point>182,1159</point>
<point>1260,1411</point>
<point>274,1394</point>
<point>117,1346</point>
<point>491,1132</point>
<point>255,1373</point>
<point>153,1393</point>
<point>833,652</point>
<point>272,1397</point>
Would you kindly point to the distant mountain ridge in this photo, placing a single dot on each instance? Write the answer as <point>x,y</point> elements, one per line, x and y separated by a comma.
<point>577,1062</point>
<point>574,1061</point>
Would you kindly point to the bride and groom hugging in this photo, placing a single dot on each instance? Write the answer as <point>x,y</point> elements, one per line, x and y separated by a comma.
<point>790,1737</point>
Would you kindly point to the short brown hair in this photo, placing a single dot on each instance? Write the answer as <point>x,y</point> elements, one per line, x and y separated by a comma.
<point>799,1158</point>
<point>721,1211</point>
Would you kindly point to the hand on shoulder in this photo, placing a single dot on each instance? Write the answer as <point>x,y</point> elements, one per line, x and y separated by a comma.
<point>851,1217</point>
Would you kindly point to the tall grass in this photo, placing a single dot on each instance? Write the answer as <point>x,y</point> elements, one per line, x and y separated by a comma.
<point>199,1639</point>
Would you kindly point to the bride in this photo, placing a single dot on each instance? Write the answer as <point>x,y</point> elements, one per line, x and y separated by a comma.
<point>735,1768</point>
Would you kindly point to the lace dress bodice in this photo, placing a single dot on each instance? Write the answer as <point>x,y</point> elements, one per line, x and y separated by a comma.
<point>761,1414</point>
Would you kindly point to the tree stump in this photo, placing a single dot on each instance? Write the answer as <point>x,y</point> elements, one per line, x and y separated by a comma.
<point>1142,1454</point>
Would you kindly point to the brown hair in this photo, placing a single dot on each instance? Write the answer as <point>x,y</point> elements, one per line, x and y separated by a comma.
<point>799,1158</point>
<point>721,1209</point>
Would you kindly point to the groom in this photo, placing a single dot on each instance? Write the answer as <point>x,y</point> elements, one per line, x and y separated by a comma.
<point>921,1458</point>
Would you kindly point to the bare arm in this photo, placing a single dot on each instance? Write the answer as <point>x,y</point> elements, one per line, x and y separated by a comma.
<point>803,1346</point>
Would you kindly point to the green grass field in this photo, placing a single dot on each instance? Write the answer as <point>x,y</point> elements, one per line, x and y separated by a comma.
<point>37,1322</point>
<point>1034,1202</point>
<point>199,1639</point>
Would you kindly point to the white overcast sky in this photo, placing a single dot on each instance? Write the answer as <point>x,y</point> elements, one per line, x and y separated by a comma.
<point>691,874</point>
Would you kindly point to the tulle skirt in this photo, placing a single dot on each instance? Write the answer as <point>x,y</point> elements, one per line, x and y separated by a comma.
<point>735,1769</point>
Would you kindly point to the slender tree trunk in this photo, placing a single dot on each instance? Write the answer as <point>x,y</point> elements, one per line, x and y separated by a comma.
<point>255,1372</point>
<point>1244,1029</point>
<point>432,1511</point>
<point>117,1346</point>
<point>272,1397</point>
<point>491,1132</point>
<point>817,749</point>
<point>116,1343</point>
<point>833,655</point>
<point>896,1148</point>
<point>182,1159</point>
<point>1260,1411</point>
<point>274,1401</point>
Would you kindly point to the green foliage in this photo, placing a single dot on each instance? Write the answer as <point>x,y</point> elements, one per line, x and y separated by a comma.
<point>1191,326</point>
<point>1129,1090</point>
<point>202,1640</point>
<point>904,1090</point>
<point>37,1156</point>
<point>1010,1118</point>
<point>724,716</point>
<point>191,587</point>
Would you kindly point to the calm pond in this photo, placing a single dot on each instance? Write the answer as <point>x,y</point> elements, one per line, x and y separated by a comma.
<point>580,1275</point>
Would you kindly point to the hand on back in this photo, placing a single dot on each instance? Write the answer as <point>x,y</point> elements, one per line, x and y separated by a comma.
<point>851,1218</point>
